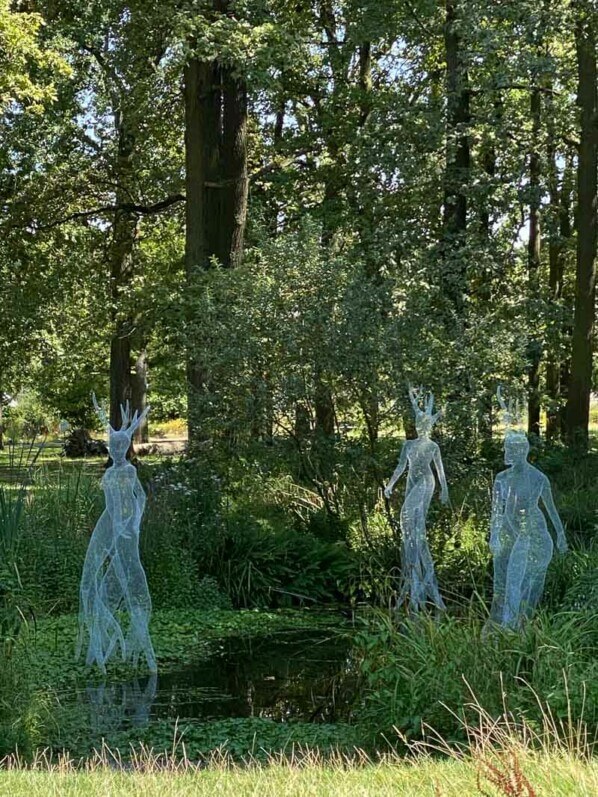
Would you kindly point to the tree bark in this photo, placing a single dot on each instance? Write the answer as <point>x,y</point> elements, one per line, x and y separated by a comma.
<point>139,394</point>
<point>124,231</point>
<point>560,234</point>
<point>533,268</point>
<point>578,404</point>
<point>458,161</point>
<point>216,188</point>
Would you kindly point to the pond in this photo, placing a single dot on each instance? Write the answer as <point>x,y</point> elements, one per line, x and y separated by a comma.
<point>294,675</point>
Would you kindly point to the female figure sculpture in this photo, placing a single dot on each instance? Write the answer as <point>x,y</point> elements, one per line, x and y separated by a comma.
<point>419,584</point>
<point>113,578</point>
<point>519,539</point>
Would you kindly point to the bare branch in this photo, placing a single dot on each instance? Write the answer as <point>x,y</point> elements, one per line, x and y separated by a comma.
<point>124,207</point>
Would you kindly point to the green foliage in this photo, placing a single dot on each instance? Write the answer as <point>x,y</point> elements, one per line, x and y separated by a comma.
<point>435,674</point>
<point>239,737</point>
<point>61,511</point>
<point>27,66</point>
<point>263,566</point>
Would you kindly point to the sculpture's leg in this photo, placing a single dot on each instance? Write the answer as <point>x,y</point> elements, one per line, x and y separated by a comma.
<point>429,574</point>
<point>411,588</point>
<point>517,573</point>
<point>539,560</point>
<point>138,602</point>
<point>416,554</point>
<point>95,616</point>
<point>500,568</point>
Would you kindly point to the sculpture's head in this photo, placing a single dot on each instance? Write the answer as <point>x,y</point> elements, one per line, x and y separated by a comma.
<point>516,447</point>
<point>426,418</point>
<point>118,445</point>
<point>119,440</point>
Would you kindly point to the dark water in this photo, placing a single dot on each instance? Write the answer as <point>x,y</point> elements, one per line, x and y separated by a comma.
<point>291,676</point>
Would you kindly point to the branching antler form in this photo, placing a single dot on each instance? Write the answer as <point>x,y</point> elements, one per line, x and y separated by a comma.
<point>101,412</point>
<point>413,396</point>
<point>510,411</point>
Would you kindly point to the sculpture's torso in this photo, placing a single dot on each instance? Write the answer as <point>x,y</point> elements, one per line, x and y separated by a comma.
<point>420,453</point>
<point>519,490</point>
<point>121,487</point>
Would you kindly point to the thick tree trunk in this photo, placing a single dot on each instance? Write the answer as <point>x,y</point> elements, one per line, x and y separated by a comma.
<point>457,163</point>
<point>216,189</point>
<point>533,267</point>
<point>120,374</point>
<point>578,404</point>
<point>235,184</point>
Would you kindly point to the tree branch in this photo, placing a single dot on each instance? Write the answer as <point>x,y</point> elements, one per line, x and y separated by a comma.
<point>125,207</point>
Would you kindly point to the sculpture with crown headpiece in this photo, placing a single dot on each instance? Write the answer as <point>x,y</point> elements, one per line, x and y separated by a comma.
<point>115,604</point>
<point>418,580</point>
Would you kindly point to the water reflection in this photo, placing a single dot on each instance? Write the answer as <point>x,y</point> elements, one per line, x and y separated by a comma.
<point>294,676</point>
<point>115,706</point>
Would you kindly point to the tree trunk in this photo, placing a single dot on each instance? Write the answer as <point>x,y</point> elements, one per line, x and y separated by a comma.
<point>457,164</point>
<point>139,394</point>
<point>533,267</point>
<point>560,234</point>
<point>216,188</point>
<point>485,414</point>
<point>234,168</point>
<point>124,231</point>
<point>120,374</point>
<point>578,404</point>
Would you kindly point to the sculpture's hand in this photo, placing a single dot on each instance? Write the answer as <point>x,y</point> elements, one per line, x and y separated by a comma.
<point>444,496</point>
<point>387,491</point>
<point>561,544</point>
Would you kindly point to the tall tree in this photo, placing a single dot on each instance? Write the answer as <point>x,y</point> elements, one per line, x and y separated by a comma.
<point>458,161</point>
<point>578,403</point>
<point>534,263</point>
<point>216,180</point>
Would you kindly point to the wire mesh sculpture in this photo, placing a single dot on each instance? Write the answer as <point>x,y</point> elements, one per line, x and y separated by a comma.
<point>520,542</point>
<point>419,585</point>
<point>113,580</point>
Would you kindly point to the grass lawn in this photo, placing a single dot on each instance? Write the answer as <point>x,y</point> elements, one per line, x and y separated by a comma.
<point>551,777</point>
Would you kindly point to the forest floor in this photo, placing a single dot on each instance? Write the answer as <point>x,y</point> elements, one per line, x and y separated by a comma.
<point>540,776</point>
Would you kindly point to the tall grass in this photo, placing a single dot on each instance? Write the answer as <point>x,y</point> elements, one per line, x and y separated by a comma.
<point>14,494</point>
<point>514,772</point>
<point>423,673</point>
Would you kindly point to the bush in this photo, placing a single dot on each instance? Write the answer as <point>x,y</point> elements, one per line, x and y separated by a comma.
<point>262,565</point>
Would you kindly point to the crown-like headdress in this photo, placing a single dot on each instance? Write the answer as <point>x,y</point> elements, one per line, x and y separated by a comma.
<point>129,423</point>
<point>510,413</point>
<point>428,401</point>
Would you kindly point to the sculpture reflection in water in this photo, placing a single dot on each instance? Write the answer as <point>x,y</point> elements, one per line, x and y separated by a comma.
<point>520,542</point>
<point>113,580</point>
<point>419,585</point>
<point>117,706</point>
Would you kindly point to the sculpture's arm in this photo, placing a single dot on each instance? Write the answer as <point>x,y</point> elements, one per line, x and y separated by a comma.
<point>497,516</point>
<point>140,496</point>
<point>548,500</point>
<point>444,495</point>
<point>399,470</point>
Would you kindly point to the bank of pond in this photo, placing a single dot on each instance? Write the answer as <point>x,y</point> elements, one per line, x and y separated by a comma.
<point>250,684</point>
